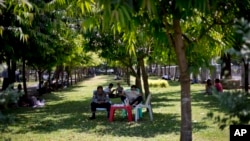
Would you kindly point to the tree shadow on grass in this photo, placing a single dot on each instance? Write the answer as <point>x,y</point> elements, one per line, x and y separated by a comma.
<point>205,101</point>
<point>73,115</point>
<point>162,99</point>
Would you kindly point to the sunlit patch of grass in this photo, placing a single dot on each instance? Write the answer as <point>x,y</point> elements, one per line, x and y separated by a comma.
<point>158,83</point>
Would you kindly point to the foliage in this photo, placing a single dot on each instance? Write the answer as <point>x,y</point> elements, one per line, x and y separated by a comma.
<point>236,104</point>
<point>5,120</point>
<point>10,96</point>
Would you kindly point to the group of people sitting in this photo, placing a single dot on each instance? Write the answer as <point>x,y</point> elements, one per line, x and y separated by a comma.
<point>217,86</point>
<point>29,100</point>
<point>101,97</point>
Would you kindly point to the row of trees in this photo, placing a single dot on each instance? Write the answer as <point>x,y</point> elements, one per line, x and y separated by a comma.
<point>128,33</point>
<point>39,34</point>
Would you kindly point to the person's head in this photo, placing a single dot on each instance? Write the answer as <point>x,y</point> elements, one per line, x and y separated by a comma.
<point>99,89</point>
<point>209,82</point>
<point>133,87</point>
<point>217,80</point>
<point>118,84</point>
<point>19,87</point>
<point>111,85</point>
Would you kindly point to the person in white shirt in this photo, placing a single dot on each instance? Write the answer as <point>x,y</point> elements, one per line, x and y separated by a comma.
<point>109,91</point>
<point>133,95</point>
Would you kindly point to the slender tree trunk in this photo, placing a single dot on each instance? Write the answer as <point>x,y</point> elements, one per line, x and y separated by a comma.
<point>24,78</point>
<point>49,78</point>
<point>71,80</point>
<point>75,76</point>
<point>138,76</point>
<point>39,80</point>
<point>246,75</point>
<point>127,76</point>
<point>36,74</point>
<point>186,115</point>
<point>13,70</point>
<point>144,77</point>
<point>226,66</point>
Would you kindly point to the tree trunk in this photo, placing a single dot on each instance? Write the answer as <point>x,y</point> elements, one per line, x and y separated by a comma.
<point>40,82</point>
<point>144,77</point>
<point>75,76</point>
<point>36,74</point>
<point>49,78</point>
<point>246,76</point>
<point>186,116</point>
<point>128,76</point>
<point>226,66</point>
<point>24,78</point>
<point>138,76</point>
<point>13,74</point>
<point>71,80</point>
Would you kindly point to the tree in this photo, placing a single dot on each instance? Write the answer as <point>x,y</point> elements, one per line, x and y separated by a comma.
<point>17,14</point>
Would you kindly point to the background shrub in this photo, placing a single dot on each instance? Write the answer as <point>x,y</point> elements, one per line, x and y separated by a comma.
<point>158,83</point>
<point>236,106</point>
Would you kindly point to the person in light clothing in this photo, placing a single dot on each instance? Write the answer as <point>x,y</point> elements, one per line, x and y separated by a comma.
<point>133,95</point>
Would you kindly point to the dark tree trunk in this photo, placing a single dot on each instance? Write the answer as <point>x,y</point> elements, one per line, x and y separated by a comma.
<point>138,77</point>
<point>40,80</point>
<point>75,76</point>
<point>71,80</point>
<point>13,72</point>
<point>226,66</point>
<point>36,73</point>
<point>49,78</point>
<point>24,78</point>
<point>246,65</point>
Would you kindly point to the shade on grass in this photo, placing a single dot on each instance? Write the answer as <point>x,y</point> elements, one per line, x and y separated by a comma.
<point>65,117</point>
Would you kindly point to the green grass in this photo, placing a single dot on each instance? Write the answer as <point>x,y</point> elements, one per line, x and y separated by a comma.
<point>65,117</point>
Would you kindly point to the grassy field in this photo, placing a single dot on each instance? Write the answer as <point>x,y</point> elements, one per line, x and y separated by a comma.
<point>65,117</point>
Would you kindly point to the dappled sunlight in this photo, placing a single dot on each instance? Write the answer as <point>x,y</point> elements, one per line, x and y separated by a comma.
<point>67,112</point>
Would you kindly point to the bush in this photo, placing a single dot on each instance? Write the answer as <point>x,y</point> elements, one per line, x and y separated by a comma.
<point>9,96</point>
<point>5,121</point>
<point>236,105</point>
<point>158,83</point>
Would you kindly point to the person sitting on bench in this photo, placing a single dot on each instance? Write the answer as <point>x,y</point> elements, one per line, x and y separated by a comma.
<point>100,100</point>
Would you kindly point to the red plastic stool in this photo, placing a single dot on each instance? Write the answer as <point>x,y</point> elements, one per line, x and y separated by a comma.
<point>120,107</point>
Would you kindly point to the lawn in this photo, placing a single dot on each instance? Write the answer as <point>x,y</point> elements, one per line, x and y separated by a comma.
<point>65,117</point>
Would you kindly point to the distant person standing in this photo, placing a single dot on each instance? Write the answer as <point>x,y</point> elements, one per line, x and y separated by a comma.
<point>5,79</point>
<point>218,85</point>
<point>17,74</point>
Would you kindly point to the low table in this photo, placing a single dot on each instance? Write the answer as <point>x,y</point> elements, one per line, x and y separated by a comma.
<point>120,107</point>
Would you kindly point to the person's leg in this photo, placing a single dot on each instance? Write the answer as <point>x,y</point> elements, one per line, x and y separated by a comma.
<point>107,106</point>
<point>136,101</point>
<point>123,98</point>
<point>104,105</point>
<point>93,109</point>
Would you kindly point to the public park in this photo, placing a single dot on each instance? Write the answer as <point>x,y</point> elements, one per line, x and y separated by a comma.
<point>146,70</point>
